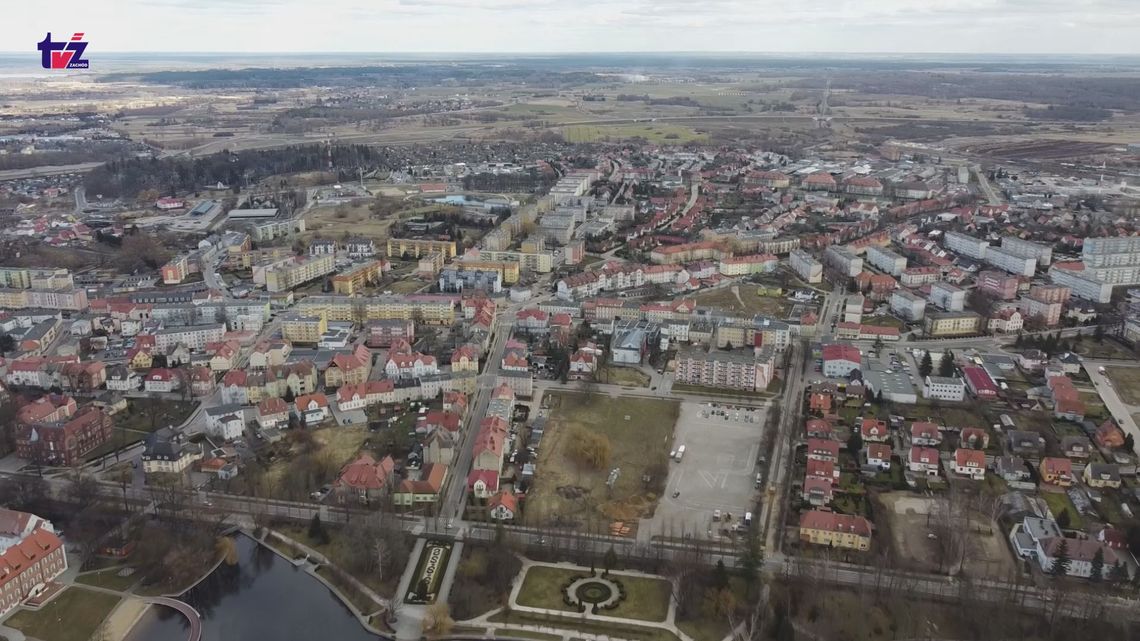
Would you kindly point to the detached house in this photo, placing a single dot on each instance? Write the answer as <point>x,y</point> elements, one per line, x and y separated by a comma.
<point>878,455</point>
<point>503,506</point>
<point>425,490</point>
<point>874,430</point>
<point>970,463</point>
<point>161,379</point>
<point>923,460</point>
<point>122,379</point>
<point>822,450</point>
<point>820,527</point>
<point>974,438</point>
<point>312,408</point>
<point>1057,471</point>
<point>272,412</point>
<point>818,491</point>
<point>1101,475</point>
<point>364,479</point>
<point>925,434</point>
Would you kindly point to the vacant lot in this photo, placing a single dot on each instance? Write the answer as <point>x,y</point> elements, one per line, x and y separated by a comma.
<point>743,300</point>
<point>912,519</point>
<point>628,376</point>
<point>339,444</point>
<point>646,599</point>
<point>657,133</point>
<point>568,494</point>
<point>74,615</point>
<point>1126,382</point>
<point>1107,348</point>
<point>341,220</point>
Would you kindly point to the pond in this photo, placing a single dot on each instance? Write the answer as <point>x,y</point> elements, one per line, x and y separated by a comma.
<point>262,597</point>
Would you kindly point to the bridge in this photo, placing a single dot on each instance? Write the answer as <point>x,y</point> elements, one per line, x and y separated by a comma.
<point>187,610</point>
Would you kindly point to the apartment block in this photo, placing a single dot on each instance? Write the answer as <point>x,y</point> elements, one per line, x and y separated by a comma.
<point>1012,263</point>
<point>885,260</point>
<point>431,309</point>
<point>843,260</point>
<point>999,285</point>
<point>416,247</point>
<point>741,370</point>
<point>297,271</point>
<point>907,306</point>
<point>805,266</point>
<point>1043,254</point>
<point>301,328</point>
<point>966,245</point>
<point>357,277</point>
<point>944,324</point>
<point>948,297</point>
<point>193,337</point>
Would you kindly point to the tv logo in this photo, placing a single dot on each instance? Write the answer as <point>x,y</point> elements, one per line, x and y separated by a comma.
<point>63,55</point>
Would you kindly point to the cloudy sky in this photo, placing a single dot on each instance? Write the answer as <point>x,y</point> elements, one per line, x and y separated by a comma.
<point>953,26</point>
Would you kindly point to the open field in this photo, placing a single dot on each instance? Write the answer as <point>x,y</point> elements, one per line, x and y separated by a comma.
<point>910,522</point>
<point>338,443</point>
<point>747,302</point>
<point>647,599</point>
<point>74,615</point>
<point>335,222</point>
<point>109,579</point>
<point>884,320</point>
<point>655,133</point>
<point>569,494</point>
<point>629,376</point>
<point>1126,382</point>
<point>1107,348</point>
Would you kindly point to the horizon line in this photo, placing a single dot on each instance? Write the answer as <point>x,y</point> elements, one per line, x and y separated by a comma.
<point>618,52</point>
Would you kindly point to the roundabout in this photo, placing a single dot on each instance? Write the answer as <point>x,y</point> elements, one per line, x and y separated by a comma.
<point>599,592</point>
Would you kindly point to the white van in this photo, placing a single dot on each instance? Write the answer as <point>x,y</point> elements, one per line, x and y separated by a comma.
<point>680,453</point>
<point>747,519</point>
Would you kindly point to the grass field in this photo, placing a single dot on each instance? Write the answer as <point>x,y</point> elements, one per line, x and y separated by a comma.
<point>568,494</point>
<point>613,375</point>
<point>74,615</point>
<point>656,133</point>
<point>341,443</point>
<point>1059,502</point>
<point>747,303</point>
<point>884,321</point>
<point>143,416</point>
<point>1107,348</point>
<point>1126,382</point>
<point>646,599</point>
<point>109,579</point>
<point>574,622</point>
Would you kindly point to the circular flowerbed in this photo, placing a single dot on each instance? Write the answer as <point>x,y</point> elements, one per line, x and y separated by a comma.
<point>600,592</point>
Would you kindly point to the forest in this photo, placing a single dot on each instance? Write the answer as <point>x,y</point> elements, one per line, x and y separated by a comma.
<point>125,178</point>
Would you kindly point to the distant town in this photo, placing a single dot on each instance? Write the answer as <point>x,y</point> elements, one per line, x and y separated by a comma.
<point>633,388</point>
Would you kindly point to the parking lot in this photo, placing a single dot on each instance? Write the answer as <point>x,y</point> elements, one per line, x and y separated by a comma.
<point>717,471</point>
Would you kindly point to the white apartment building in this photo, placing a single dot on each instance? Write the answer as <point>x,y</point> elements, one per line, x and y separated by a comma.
<point>966,245</point>
<point>1012,263</point>
<point>1043,254</point>
<point>805,266</point>
<point>886,260</point>
<point>944,389</point>
<point>907,306</point>
<point>194,337</point>
<point>1105,263</point>
<point>843,260</point>
<point>949,297</point>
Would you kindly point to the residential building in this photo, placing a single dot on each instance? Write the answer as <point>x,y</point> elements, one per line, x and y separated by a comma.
<point>948,297</point>
<point>743,370</point>
<point>885,260</point>
<point>843,261</point>
<point>382,333</point>
<point>298,271</point>
<point>1080,552</point>
<point>1047,314</point>
<point>469,279</point>
<point>1042,253</point>
<point>947,324</point>
<point>414,493</point>
<point>970,463</point>
<point>31,554</point>
<point>919,276</point>
<point>1057,471</point>
<point>839,359</point>
<point>416,248</point>
<point>194,337</point>
<point>944,388</point>
<point>1000,286</point>
<point>907,306</point>
<point>63,440</point>
<point>805,266</point>
<point>226,422</point>
<point>1005,321</point>
<point>357,277</point>
<point>874,430</point>
<point>1012,263</point>
<point>303,328</point>
<point>878,455</point>
<point>1102,475</point>
<point>925,433</point>
<point>923,460</point>
<point>843,531</point>
<point>413,365</point>
<point>959,243</point>
<point>169,452</point>
<point>364,480</point>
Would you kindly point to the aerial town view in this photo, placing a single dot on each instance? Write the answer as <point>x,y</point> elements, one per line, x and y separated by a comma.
<point>839,342</point>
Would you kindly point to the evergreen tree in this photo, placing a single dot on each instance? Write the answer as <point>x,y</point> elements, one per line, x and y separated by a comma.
<point>1061,560</point>
<point>1097,569</point>
<point>926,366</point>
<point>317,530</point>
<point>1129,443</point>
<point>1063,519</point>
<point>946,367</point>
<point>720,576</point>
<point>1017,342</point>
<point>1098,333</point>
<point>879,397</point>
<point>609,560</point>
<point>855,443</point>
<point>1118,574</point>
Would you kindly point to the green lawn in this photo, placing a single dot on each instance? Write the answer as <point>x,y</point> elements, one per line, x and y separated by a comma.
<point>109,579</point>
<point>646,599</point>
<point>1059,502</point>
<point>620,630</point>
<point>74,615</point>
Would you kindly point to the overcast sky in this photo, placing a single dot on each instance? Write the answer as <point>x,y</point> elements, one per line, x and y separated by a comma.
<point>954,26</point>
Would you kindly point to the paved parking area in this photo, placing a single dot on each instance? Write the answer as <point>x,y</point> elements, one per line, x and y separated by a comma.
<point>717,471</point>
